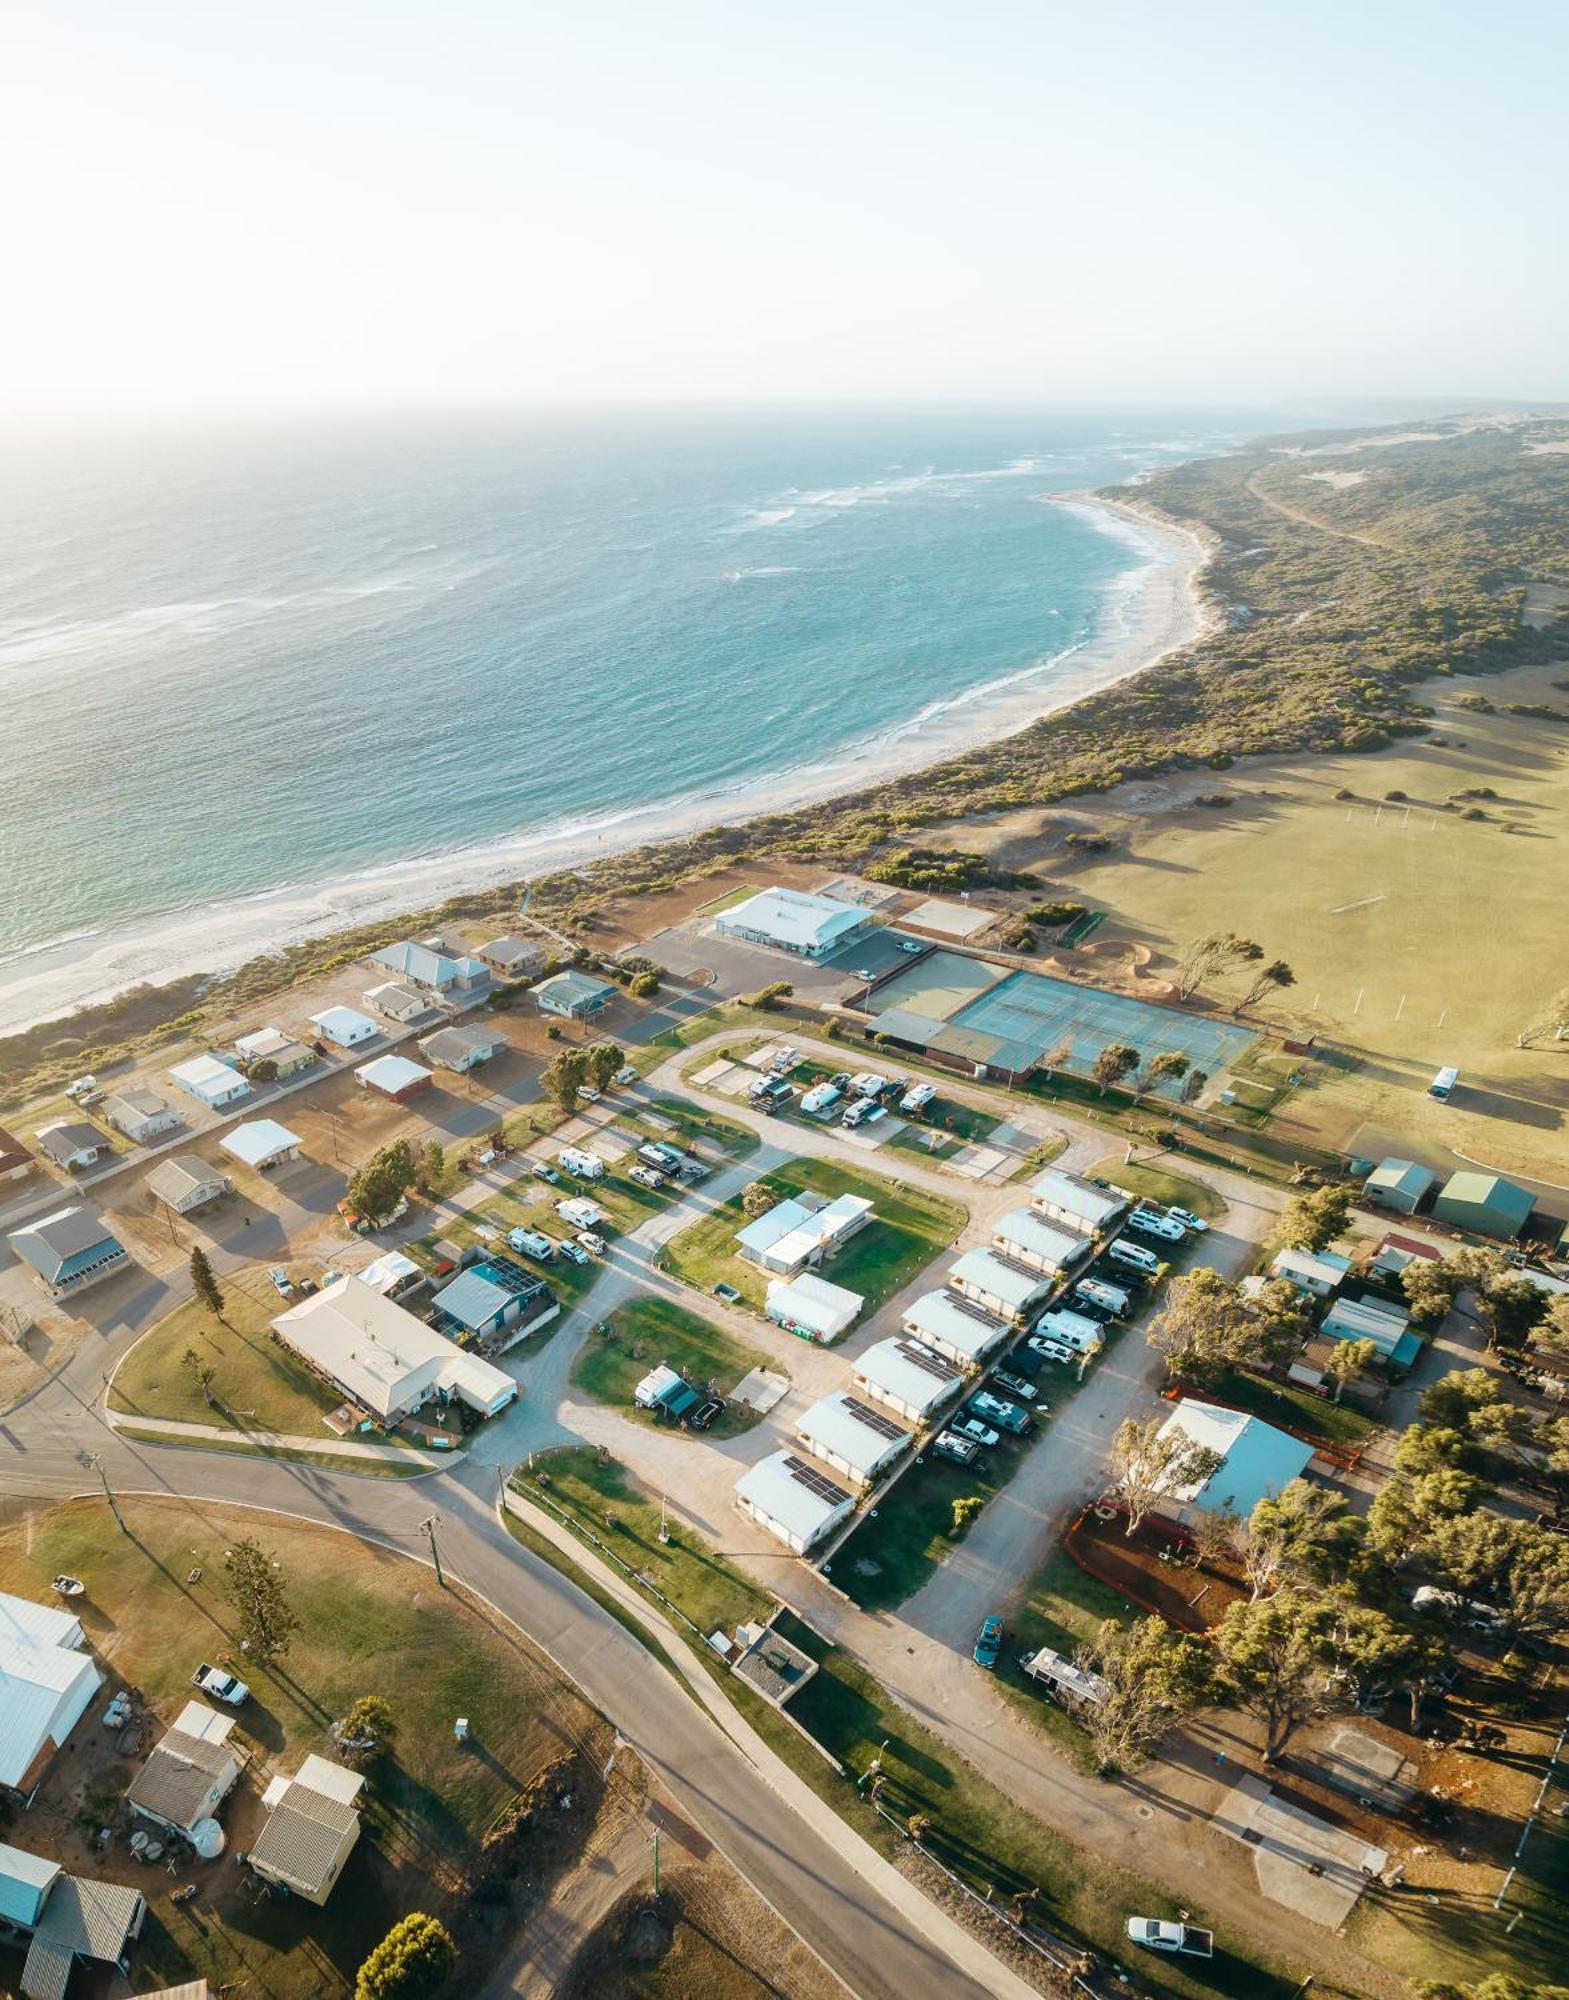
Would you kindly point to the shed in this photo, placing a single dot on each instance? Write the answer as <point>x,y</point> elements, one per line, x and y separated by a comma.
<point>311,1829</point>
<point>261,1143</point>
<point>907,1377</point>
<point>852,1436</point>
<point>346,1027</point>
<point>793,1499</point>
<point>80,1919</point>
<point>399,1002</point>
<point>210,1081</point>
<point>25,1881</point>
<point>998,1284</point>
<point>955,1327</point>
<point>573,995</point>
<point>185,1183</point>
<point>811,1307</point>
<point>188,1776</point>
<point>392,1076</point>
<point>1485,1203</point>
<point>1398,1184</point>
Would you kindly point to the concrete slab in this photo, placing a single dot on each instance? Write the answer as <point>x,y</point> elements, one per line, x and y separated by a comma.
<point>959,920</point>
<point>869,1138</point>
<point>1356,1762</point>
<point>762,1389</point>
<point>1301,1861</point>
<point>1013,1138</point>
<point>610,1146</point>
<point>977,1163</point>
<point>715,1072</point>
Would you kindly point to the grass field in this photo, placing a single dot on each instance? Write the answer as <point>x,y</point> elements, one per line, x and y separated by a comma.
<point>910,1227</point>
<point>1151,1183</point>
<point>1387,901</point>
<point>259,1385</point>
<point>608,1369</point>
<point>371,1623</point>
<point>1300,1409</point>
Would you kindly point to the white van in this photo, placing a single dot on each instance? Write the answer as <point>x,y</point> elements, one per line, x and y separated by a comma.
<point>586,1166</point>
<point>1112,1297</point>
<point>1134,1256</point>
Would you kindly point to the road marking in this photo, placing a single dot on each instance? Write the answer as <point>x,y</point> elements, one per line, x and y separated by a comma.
<point>1367,901</point>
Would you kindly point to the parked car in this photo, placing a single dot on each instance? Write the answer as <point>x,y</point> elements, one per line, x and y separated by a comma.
<point>543,1173</point>
<point>532,1243</point>
<point>1156,1936</point>
<point>705,1414</point>
<point>997,1411</point>
<point>78,1090</point>
<point>1090,1309</point>
<point>573,1252</point>
<point>960,1450</point>
<point>588,1091</point>
<point>592,1242</point>
<point>840,1079</point>
<point>972,1427</point>
<point>224,1687</point>
<point>649,1177</point>
<point>989,1644</point>
<point>625,1075</point>
<point>1014,1385</point>
<point>1189,1220</point>
<point>1049,1349</point>
<point>911,945</point>
<point>282,1283</point>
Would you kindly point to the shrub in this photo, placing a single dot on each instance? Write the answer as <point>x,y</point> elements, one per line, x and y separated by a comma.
<point>1052,914</point>
<point>414,1961</point>
<point>643,985</point>
<point>1395,798</point>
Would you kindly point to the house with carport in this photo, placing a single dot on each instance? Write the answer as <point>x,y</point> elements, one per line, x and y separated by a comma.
<point>451,976</point>
<point>573,995</point>
<point>1316,1274</point>
<point>384,1360</point>
<point>261,1144</point>
<point>70,1250</point>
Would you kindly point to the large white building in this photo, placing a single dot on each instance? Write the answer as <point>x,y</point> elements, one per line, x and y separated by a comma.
<point>801,1231</point>
<point>210,1082</point>
<point>793,1499</point>
<point>907,1377</point>
<point>851,1436</point>
<point>790,920</point>
<point>47,1681</point>
<point>1075,1203</point>
<point>1256,1461</point>
<point>384,1359</point>
<point>954,1328</point>
<point>812,1308</point>
<point>998,1285</point>
<point>1045,1246</point>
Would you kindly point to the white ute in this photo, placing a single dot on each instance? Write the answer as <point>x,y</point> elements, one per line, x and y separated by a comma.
<point>1156,1936</point>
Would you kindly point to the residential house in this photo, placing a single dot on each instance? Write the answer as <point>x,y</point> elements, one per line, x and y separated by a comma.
<point>184,1182</point>
<point>210,1082</point>
<point>192,1770</point>
<point>344,1027</point>
<point>1486,1203</point>
<point>1257,1461</point>
<point>16,1163</point>
<point>1000,1285</point>
<point>261,1143</point>
<point>392,1076</point>
<point>801,1231</point>
<point>811,1308</point>
<point>510,957</point>
<point>792,1499</point>
<point>1316,1274</point>
<point>573,995</point>
<point>312,1825</point>
<point>1398,1184</point>
<point>142,1115</point>
<point>47,1683</point>
<point>399,1002</point>
<point>383,1359</point>
<point>851,1436</point>
<point>1077,1204</point>
<point>62,1918</point>
<point>281,1054</point>
<point>69,1250</point>
<point>908,1377</point>
<point>494,1302</point>
<point>955,1328</point>
<point>1386,1325</point>
<point>459,1048</point>
<point>72,1143</point>
<point>457,978</point>
<point>1026,1238</point>
<point>789,920</point>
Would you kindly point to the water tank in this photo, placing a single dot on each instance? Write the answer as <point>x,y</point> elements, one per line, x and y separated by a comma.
<point>208,1839</point>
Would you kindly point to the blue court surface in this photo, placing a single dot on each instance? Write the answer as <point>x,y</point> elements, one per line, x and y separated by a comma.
<point>1029,1010</point>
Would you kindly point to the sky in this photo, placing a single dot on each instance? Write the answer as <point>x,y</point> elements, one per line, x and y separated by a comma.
<point>667,201</point>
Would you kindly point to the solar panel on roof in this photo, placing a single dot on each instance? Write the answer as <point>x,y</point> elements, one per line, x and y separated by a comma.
<point>874,1420</point>
<point>923,1357</point>
<point>968,1307</point>
<point>814,1481</point>
<point>1013,1263</point>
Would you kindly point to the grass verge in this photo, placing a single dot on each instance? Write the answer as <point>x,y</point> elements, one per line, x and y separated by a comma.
<point>257,1383</point>
<point>649,1330</point>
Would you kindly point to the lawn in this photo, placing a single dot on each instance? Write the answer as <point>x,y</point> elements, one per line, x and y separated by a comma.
<point>371,1622</point>
<point>259,1384</point>
<point>701,1584</point>
<point>650,1330</point>
<point>677,1117</point>
<point>888,1558</point>
<point>1151,1183</point>
<point>910,1228</point>
<point>1298,1409</point>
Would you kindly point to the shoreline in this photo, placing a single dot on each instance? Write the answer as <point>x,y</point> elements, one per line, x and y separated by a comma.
<point>1156,608</point>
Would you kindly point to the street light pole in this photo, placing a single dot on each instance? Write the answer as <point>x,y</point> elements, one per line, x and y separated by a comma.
<point>429,1526</point>
<point>114,1506</point>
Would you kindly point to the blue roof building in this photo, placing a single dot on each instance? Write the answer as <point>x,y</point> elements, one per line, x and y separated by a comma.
<point>1256,1461</point>
<point>69,1250</point>
<point>495,1303</point>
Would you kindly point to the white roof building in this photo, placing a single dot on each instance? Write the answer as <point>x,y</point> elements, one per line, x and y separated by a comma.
<point>790,920</point>
<point>392,1076</point>
<point>1067,1199</point>
<point>906,1376</point>
<point>999,1285</point>
<point>261,1142</point>
<point>1256,1460</point>
<point>391,1272</point>
<point>1315,1272</point>
<point>210,1082</point>
<point>311,1830</point>
<point>272,1045</point>
<point>954,1328</point>
<point>1024,1236</point>
<point>811,1306</point>
<point>855,1438</point>
<point>383,1358</point>
<point>801,1230</point>
<point>46,1683</point>
<point>793,1499</point>
<point>346,1026</point>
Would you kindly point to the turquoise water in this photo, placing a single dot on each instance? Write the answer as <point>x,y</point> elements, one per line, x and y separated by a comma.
<point>237,659</point>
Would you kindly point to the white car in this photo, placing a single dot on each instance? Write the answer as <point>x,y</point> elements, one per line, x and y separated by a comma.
<point>625,1075</point>
<point>588,1091</point>
<point>589,1240</point>
<point>1049,1350</point>
<point>1189,1220</point>
<point>221,1686</point>
<point>83,1084</point>
<point>573,1252</point>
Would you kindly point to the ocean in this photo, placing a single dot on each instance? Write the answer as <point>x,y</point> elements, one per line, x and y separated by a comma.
<point>243,661</point>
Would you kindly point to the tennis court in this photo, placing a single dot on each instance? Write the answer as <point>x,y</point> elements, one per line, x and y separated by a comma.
<point>1030,1009</point>
<point>942,983</point>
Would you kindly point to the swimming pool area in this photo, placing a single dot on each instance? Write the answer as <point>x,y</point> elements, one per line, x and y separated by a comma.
<point>1016,1017</point>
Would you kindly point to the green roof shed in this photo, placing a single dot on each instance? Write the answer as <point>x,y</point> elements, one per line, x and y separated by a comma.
<point>1486,1203</point>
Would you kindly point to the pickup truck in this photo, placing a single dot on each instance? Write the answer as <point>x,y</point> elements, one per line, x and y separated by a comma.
<point>1156,1936</point>
<point>221,1686</point>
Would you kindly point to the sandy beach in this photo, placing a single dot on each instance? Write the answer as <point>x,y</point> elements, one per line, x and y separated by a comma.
<point>1154,609</point>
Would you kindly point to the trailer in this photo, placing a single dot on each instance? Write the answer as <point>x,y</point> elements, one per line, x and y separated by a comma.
<point>1074,1687</point>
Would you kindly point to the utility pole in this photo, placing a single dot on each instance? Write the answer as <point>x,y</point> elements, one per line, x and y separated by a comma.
<point>429,1526</point>
<point>114,1506</point>
<point>656,1864</point>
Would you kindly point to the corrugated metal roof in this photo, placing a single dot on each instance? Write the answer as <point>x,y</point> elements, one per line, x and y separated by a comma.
<point>305,1835</point>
